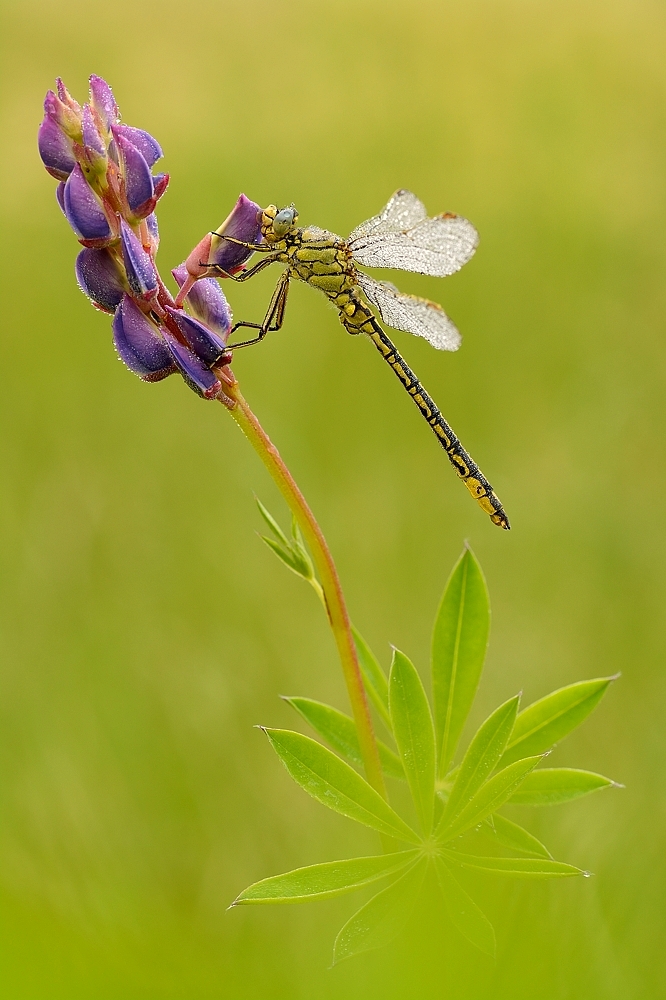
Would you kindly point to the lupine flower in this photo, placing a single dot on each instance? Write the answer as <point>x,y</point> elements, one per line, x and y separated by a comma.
<point>108,194</point>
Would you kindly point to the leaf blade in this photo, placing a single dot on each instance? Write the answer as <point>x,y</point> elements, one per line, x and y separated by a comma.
<point>509,834</point>
<point>315,882</point>
<point>465,915</point>
<point>515,867</point>
<point>335,784</point>
<point>340,731</point>
<point>414,734</point>
<point>379,921</point>
<point>482,756</point>
<point>548,720</point>
<point>551,786</point>
<point>488,799</point>
<point>459,642</point>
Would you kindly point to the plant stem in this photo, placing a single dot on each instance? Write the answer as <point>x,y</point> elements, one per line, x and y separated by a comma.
<point>334,599</point>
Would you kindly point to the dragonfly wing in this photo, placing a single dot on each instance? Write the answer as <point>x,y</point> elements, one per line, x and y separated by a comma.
<point>437,246</point>
<point>421,317</point>
<point>403,211</point>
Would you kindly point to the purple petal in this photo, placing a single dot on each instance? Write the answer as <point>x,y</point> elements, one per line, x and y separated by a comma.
<point>60,195</point>
<point>92,140</point>
<point>204,342</point>
<point>100,276</point>
<point>153,231</point>
<point>194,371</point>
<point>55,149</point>
<point>139,267</point>
<point>208,303</point>
<point>103,101</point>
<point>139,187</point>
<point>243,224</point>
<point>149,148</point>
<point>139,344</point>
<point>84,212</point>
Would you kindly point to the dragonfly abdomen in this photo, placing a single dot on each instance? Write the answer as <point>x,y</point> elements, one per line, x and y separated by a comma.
<point>364,321</point>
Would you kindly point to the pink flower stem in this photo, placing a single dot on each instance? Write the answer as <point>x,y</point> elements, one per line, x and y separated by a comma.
<point>335,602</point>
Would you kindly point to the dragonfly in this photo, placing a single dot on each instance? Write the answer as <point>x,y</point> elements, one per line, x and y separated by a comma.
<point>404,237</point>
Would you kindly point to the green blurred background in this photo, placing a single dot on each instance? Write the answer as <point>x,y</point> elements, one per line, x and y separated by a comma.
<point>145,629</point>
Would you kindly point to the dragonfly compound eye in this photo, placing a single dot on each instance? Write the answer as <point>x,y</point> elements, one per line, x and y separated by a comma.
<point>284,221</point>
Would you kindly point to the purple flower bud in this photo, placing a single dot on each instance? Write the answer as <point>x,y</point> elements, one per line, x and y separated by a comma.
<point>83,210</point>
<point>55,149</point>
<point>139,344</point>
<point>194,371</point>
<point>93,143</point>
<point>139,189</point>
<point>101,278</point>
<point>66,97</point>
<point>205,344</point>
<point>149,147</point>
<point>244,223</point>
<point>139,267</point>
<point>103,102</point>
<point>60,195</point>
<point>161,183</point>
<point>208,303</point>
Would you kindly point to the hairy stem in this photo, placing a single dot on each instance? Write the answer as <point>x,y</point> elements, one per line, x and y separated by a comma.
<point>333,596</point>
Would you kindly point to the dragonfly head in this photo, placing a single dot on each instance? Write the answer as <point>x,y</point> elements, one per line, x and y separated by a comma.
<point>277,223</point>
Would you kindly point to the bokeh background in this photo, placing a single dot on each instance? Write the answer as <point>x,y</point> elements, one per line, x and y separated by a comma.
<point>144,627</point>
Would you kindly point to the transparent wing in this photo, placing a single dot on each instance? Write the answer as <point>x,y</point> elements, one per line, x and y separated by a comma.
<point>402,236</point>
<point>421,317</point>
<point>315,234</point>
<point>403,211</point>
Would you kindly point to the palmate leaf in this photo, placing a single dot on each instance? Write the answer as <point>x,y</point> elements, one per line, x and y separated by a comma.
<point>459,646</point>
<point>374,678</point>
<point>332,878</point>
<point>482,756</point>
<point>414,735</point>
<point>340,731</point>
<point>514,867</point>
<point>463,911</point>
<point>550,786</point>
<point>547,721</point>
<point>335,784</point>
<point>507,833</point>
<point>382,917</point>
<point>487,800</point>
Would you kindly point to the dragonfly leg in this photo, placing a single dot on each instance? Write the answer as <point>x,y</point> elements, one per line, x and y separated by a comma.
<point>244,275</point>
<point>273,319</point>
<point>259,247</point>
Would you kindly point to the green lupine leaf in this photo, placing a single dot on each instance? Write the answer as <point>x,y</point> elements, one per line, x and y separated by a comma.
<point>414,734</point>
<point>488,799</point>
<point>509,834</point>
<point>463,911</point>
<point>288,557</point>
<point>547,721</point>
<point>335,784</point>
<point>374,677</point>
<point>382,917</point>
<point>272,524</point>
<point>322,881</point>
<point>459,646</point>
<point>483,755</point>
<point>552,785</point>
<point>514,867</point>
<point>298,545</point>
<point>340,731</point>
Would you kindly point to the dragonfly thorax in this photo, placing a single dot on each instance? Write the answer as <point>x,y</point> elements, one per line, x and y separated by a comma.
<point>278,223</point>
